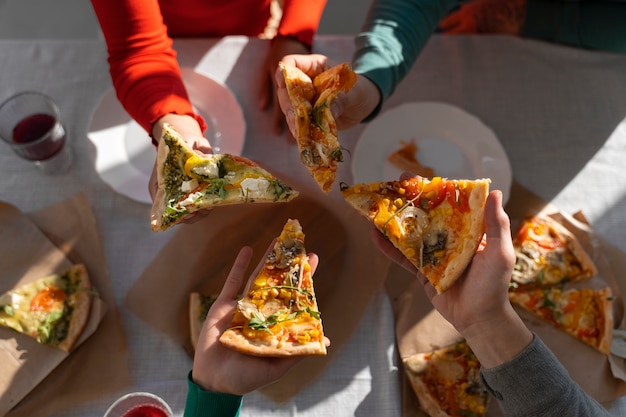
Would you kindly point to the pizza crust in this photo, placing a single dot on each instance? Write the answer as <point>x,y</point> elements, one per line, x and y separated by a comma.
<point>605,305</point>
<point>81,311</point>
<point>474,234</point>
<point>195,324</point>
<point>237,341</point>
<point>426,401</point>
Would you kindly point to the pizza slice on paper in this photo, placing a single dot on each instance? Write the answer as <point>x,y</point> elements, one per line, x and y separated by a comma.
<point>586,314</point>
<point>548,254</point>
<point>447,382</point>
<point>53,310</point>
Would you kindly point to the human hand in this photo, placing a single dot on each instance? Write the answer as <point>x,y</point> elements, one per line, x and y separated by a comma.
<point>348,108</point>
<point>280,46</point>
<point>486,16</point>
<point>217,368</point>
<point>190,130</point>
<point>477,305</point>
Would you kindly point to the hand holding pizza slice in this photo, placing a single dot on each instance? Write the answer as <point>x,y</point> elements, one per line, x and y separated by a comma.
<point>437,224</point>
<point>189,182</point>
<point>278,315</point>
<point>315,127</point>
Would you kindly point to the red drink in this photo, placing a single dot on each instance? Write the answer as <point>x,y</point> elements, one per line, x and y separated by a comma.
<point>41,131</point>
<point>147,410</point>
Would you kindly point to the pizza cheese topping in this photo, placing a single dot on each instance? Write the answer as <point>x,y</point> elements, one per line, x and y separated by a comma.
<point>279,313</point>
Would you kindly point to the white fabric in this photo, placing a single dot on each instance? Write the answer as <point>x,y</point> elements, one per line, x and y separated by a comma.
<point>555,109</point>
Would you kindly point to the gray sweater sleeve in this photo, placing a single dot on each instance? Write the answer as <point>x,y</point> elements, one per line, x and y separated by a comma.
<point>535,384</point>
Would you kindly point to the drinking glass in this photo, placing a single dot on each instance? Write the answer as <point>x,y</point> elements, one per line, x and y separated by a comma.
<point>139,404</point>
<point>30,124</point>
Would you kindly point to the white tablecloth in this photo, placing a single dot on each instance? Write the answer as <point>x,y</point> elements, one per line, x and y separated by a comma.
<point>556,110</point>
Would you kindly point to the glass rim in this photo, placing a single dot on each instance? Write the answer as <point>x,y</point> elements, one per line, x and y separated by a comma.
<point>150,395</point>
<point>56,114</point>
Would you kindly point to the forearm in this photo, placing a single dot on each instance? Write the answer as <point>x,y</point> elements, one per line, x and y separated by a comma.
<point>142,62</point>
<point>534,383</point>
<point>393,36</point>
<point>498,340</point>
<point>201,403</point>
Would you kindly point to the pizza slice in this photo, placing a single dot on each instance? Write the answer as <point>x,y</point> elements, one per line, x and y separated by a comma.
<point>586,314</point>
<point>548,254</point>
<point>278,315</point>
<point>315,126</point>
<point>437,224</point>
<point>447,382</point>
<point>199,305</point>
<point>405,159</point>
<point>189,182</point>
<point>53,310</point>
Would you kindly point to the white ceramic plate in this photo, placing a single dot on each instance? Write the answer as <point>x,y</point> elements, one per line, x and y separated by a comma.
<point>124,154</point>
<point>452,142</point>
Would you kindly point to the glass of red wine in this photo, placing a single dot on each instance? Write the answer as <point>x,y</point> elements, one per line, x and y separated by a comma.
<point>30,124</point>
<point>139,404</point>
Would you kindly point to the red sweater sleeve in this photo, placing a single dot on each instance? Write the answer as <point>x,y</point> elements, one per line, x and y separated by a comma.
<point>300,19</point>
<point>142,62</point>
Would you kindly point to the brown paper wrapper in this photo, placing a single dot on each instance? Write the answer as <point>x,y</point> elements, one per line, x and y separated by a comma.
<point>200,255</point>
<point>420,328</point>
<point>41,379</point>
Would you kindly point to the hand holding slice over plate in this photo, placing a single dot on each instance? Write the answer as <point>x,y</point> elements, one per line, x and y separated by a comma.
<point>449,140</point>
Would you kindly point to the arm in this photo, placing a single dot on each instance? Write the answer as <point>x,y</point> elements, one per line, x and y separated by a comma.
<point>393,35</point>
<point>477,305</point>
<point>220,376</point>
<point>142,62</point>
<point>535,383</point>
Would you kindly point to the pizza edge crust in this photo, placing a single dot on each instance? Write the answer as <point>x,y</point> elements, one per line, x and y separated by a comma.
<point>465,254</point>
<point>81,312</point>
<point>235,340</point>
<point>195,324</point>
<point>426,400</point>
<point>573,244</point>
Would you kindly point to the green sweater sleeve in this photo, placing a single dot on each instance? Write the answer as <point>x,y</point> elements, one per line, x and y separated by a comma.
<point>393,35</point>
<point>201,403</point>
<point>595,24</point>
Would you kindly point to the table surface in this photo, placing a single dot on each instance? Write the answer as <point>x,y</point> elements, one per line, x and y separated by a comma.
<point>558,112</point>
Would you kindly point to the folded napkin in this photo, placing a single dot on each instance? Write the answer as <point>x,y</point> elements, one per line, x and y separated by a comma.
<point>200,255</point>
<point>420,328</point>
<point>37,380</point>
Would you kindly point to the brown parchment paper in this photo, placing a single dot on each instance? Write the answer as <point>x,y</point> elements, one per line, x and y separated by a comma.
<point>48,241</point>
<point>420,328</point>
<point>200,255</point>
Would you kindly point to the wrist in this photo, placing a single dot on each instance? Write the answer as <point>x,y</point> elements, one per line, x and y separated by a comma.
<point>499,339</point>
<point>370,96</point>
